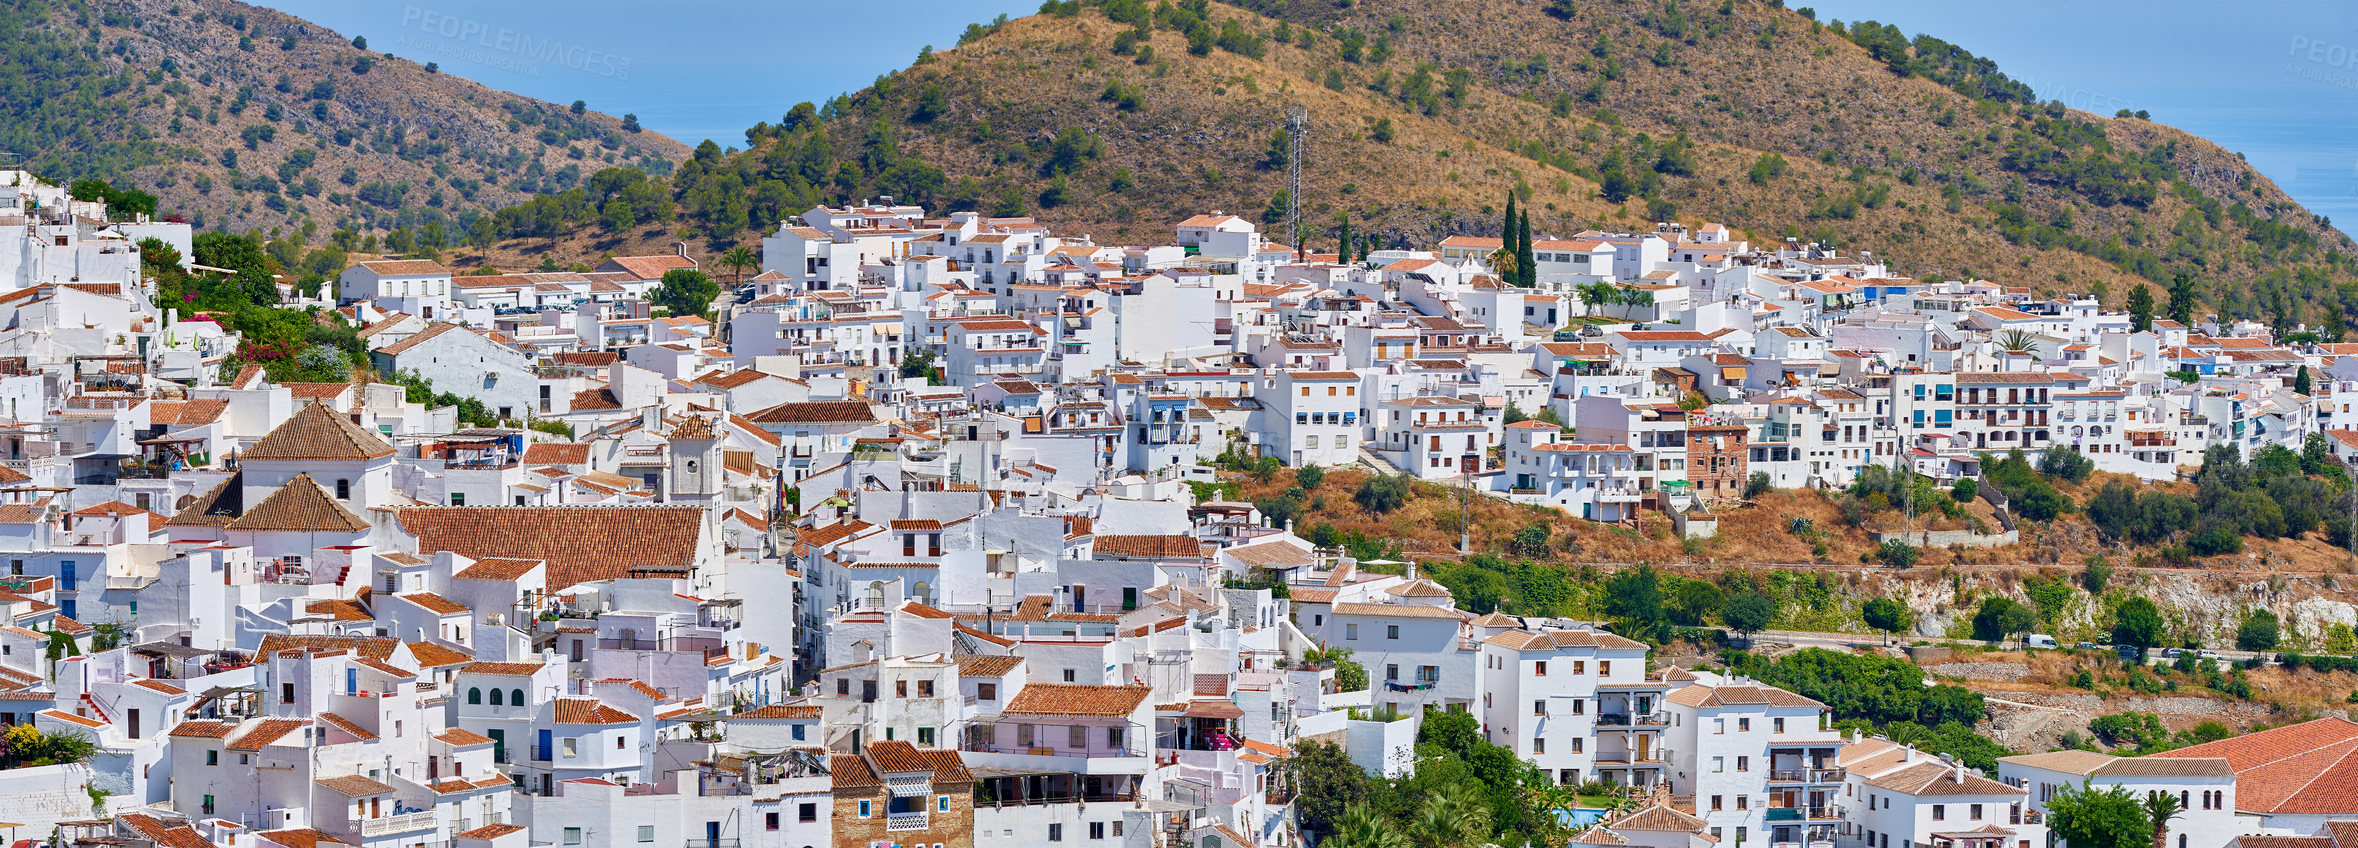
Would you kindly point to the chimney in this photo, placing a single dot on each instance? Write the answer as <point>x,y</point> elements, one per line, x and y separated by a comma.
<point>681,248</point>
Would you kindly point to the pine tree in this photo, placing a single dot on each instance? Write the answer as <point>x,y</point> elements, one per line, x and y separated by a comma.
<point>1526,264</point>
<point>2140,309</point>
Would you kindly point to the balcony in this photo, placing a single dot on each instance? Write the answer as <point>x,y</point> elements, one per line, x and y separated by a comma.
<point>712,843</point>
<point>1776,814</point>
<point>1629,720</point>
<point>1800,775</point>
<point>401,823</point>
<point>904,821</point>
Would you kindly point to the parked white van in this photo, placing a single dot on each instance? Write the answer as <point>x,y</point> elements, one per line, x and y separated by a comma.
<point>2039,640</point>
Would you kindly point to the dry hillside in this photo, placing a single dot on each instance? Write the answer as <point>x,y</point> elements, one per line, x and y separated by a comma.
<point>1450,104</point>
<point>210,104</point>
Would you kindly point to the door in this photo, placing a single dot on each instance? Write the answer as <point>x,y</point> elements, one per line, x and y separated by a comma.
<point>712,833</point>
<point>499,746</point>
<point>541,745</point>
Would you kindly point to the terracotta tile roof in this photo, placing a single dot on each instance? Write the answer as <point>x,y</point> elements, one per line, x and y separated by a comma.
<point>894,756</point>
<point>340,609</point>
<point>344,724</point>
<point>503,669</point>
<point>435,603</point>
<point>302,838</point>
<point>368,647</point>
<point>1397,610</point>
<point>1927,779</point>
<point>774,711</point>
<point>420,337</point>
<point>264,732</point>
<point>299,506</point>
<point>1068,699</point>
<point>491,831</point>
<point>1660,817</point>
<point>174,834</point>
<point>161,686</point>
<point>432,655</point>
<point>852,772</point>
<point>115,509</point>
<point>498,568</point>
<point>986,665</point>
<point>596,400</point>
<point>406,268</point>
<point>556,453</point>
<point>215,508</point>
<point>1150,547</point>
<point>815,412</point>
<point>316,391</point>
<point>202,729</point>
<point>589,711</point>
<point>2309,768</point>
<point>579,543</point>
<point>316,433</point>
<point>463,737</point>
<point>648,267</point>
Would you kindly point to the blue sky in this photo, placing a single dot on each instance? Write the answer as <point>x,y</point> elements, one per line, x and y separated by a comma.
<point>2279,87</point>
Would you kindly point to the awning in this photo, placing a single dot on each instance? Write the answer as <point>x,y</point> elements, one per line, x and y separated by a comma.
<point>1212,709</point>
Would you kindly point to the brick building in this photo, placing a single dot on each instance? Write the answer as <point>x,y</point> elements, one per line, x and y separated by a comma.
<point>894,793</point>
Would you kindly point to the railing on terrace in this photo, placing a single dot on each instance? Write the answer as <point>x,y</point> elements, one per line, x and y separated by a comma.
<point>402,823</point>
<point>894,822</point>
<point>712,843</point>
<point>1057,798</point>
<point>1051,750</point>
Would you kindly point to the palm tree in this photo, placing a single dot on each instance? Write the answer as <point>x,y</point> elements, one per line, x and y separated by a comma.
<point>1361,827</point>
<point>2016,341</point>
<point>1452,817</point>
<point>739,258</point>
<point>2161,807</point>
<point>1502,261</point>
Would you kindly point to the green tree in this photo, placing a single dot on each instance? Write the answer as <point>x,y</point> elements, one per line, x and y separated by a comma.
<point>1309,476</point>
<point>1896,553</point>
<point>2258,632</point>
<point>2160,808</point>
<point>1748,613</point>
<point>2001,618</point>
<point>2141,308</point>
<point>2086,817</point>
<point>2137,623</point>
<point>1634,596</point>
<point>738,258</point>
<point>684,291</point>
<point>1888,615</point>
<point>1531,541</point>
<point>1329,784</point>
<point>1382,493</point>
<point>2300,384</point>
<point>1526,262</point>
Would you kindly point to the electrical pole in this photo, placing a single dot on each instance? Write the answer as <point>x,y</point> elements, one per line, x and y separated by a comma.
<point>1297,130</point>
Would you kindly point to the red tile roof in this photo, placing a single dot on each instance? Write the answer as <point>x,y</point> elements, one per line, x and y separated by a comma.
<point>579,543</point>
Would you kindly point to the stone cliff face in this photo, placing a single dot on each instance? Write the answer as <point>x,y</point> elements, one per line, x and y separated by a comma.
<point>2195,605</point>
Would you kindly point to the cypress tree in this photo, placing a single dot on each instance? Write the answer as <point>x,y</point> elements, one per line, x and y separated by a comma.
<point>1506,233</point>
<point>1343,241</point>
<point>1526,264</point>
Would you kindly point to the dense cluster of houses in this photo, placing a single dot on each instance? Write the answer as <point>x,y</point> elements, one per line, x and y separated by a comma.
<point>898,550</point>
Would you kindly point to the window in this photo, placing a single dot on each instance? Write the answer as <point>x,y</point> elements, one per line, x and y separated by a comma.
<point>843,686</point>
<point>573,836</point>
<point>1776,725</point>
<point>1077,737</point>
<point>212,758</point>
<point>1715,805</point>
<point>619,743</point>
<point>1539,708</point>
<point>1539,669</point>
<point>1974,812</point>
<point>647,831</point>
<point>1068,675</point>
<point>343,489</point>
<point>798,730</point>
<point>1117,740</point>
<point>1719,725</point>
<point>900,688</point>
<point>770,820</point>
<point>1538,745</point>
<point>572,746</point>
<point>475,695</point>
<point>1743,725</point>
<point>807,812</point>
<point>942,803</point>
<point>1391,631</point>
<point>1056,831</point>
<point>1719,764</point>
<point>1350,631</point>
<point>1743,763</point>
<point>864,808</point>
<point>286,693</point>
<point>1743,802</point>
<point>1605,668</point>
<point>1579,666</point>
<point>1576,744</point>
<point>986,691</point>
<point>1097,830</point>
<point>1580,706</point>
<point>1940,812</point>
<point>1391,671</point>
<point>925,688</point>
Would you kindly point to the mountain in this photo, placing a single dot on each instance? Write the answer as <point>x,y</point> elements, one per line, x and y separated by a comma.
<point>1115,118</point>
<point>248,117</point>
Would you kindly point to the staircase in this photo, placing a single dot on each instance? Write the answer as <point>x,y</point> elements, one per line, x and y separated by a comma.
<point>346,571</point>
<point>95,709</point>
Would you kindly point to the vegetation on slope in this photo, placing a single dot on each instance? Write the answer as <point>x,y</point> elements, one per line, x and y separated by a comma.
<point>249,118</point>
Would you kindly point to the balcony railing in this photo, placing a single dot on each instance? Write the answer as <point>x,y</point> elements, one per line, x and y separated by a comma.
<point>1628,720</point>
<point>903,821</point>
<point>402,823</point>
<point>1799,813</point>
<point>712,843</point>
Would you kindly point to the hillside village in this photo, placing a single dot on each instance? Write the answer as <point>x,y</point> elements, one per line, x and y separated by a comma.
<point>903,539</point>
